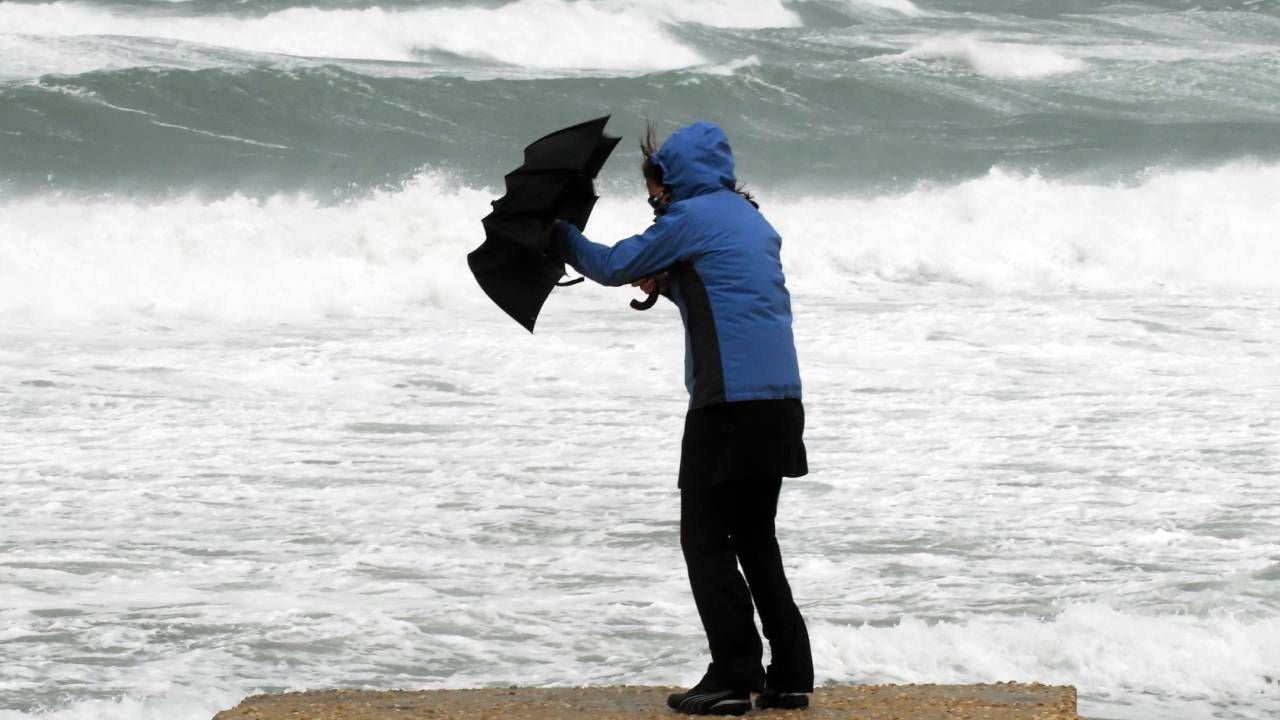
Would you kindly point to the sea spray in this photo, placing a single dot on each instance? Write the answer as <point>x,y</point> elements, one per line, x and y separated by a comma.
<point>614,35</point>
<point>1113,653</point>
<point>290,257</point>
<point>1009,232</point>
<point>999,59</point>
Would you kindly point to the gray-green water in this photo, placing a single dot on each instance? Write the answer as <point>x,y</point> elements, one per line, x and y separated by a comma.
<point>162,97</point>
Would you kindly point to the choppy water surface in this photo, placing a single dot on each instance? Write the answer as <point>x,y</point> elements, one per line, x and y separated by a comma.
<point>333,98</point>
<point>1065,488</point>
<point>259,430</point>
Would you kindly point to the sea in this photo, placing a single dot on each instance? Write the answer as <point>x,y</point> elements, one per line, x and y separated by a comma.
<point>261,431</point>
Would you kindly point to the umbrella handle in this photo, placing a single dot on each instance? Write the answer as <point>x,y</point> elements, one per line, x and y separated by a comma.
<point>567,283</point>
<point>646,303</point>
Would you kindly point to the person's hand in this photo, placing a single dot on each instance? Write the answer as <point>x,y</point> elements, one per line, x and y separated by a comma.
<point>652,284</point>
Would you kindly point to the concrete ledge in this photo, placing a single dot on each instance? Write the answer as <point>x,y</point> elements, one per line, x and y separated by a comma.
<point>1001,701</point>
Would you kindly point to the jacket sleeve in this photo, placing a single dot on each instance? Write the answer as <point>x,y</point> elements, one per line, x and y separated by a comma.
<point>657,248</point>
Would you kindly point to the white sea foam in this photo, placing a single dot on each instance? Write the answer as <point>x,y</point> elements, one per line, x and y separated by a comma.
<point>716,13</point>
<point>27,56</point>
<point>619,35</point>
<point>402,488</point>
<point>246,260</point>
<point>1178,664</point>
<point>1186,228</point>
<point>903,7</point>
<point>23,57</point>
<point>239,258</point>
<point>998,59</point>
<point>200,704</point>
<point>1112,654</point>
<point>729,68</point>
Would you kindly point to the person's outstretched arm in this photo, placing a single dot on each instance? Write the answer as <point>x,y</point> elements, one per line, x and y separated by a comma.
<point>639,256</point>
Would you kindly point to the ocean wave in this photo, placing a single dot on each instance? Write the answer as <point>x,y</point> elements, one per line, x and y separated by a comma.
<point>729,68</point>
<point>998,59</point>
<point>335,130</point>
<point>292,258</point>
<point>29,56</point>
<point>1010,232</point>
<point>174,704</point>
<point>621,35</point>
<point>1181,665</point>
<point>238,259</point>
<point>902,7</point>
<point>1124,662</point>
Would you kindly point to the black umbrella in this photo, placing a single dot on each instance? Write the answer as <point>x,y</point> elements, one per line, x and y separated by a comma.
<point>515,265</point>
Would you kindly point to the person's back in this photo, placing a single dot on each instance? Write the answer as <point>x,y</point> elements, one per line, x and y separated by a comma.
<point>740,269</point>
<point>724,259</point>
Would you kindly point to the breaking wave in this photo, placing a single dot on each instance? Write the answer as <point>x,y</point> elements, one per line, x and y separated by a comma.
<point>614,35</point>
<point>172,705</point>
<point>830,96</point>
<point>904,7</point>
<point>1178,662</point>
<point>1182,229</point>
<point>291,257</point>
<point>1178,665</point>
<point>998,59</point>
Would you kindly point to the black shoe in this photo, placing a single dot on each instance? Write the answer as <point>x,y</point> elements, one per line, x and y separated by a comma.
<point>772,698</point>
<point>703,701</point>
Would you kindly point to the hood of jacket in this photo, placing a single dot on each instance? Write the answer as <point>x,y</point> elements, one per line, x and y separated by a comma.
<point>696,160</point>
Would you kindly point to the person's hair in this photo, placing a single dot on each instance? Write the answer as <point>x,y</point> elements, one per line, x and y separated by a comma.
<point>653,172</point>
<point>648,148</point>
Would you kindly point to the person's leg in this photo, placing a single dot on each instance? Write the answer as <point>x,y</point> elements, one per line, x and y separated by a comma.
<point>755,543</point>
<point>719,591</point>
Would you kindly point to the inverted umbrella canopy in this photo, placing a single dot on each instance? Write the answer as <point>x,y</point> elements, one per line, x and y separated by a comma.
<point>514,265</point>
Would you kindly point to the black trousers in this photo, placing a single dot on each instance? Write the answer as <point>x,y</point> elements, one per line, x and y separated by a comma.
<point>722,526</point>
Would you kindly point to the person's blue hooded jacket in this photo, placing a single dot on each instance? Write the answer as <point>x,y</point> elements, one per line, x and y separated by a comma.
<point>725,273</point>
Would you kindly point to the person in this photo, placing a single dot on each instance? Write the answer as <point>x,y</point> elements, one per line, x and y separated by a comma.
<point>713,254</point>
